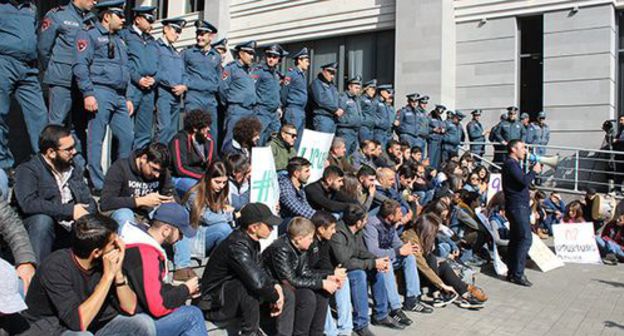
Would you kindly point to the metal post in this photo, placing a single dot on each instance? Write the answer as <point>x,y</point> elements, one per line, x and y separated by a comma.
<point>576,170</point>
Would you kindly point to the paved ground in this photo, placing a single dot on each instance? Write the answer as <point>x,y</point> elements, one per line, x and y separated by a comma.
<point>573,300</point>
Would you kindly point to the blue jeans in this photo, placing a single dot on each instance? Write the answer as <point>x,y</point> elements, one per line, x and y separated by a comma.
<point>358,281</point>
<point>207,102</point>
<point>213,235</point>
<point>365,133</point>
<point>295,115</point>
<point>60,103</point>
<point>270,124</point>
<point>4,185</point>
<point>184,321</point>
<point>123,215</point>
<point>112,111</point>
<point>183,184</point>
<point>45,235</point>
<point>345,313</point>
<point>20,81</point>
<point>414,141</point>
<point>609,246</point>
<point>520,239</point>
<point>144,102</point>
<point>137,325</point>
<point>234,114</point>
<point>168,116</point>
<point>412,281</point>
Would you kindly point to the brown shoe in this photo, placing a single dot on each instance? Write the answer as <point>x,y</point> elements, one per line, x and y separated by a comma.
<point>478,293</point>
<point>184,274</point>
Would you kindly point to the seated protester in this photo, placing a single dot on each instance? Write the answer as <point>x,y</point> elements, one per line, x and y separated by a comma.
<point>337,156</point>
<point>407,151</point>
<point>293,201</point>
<point>382,240</point>
<point>145,266</point>
<point>386,189</point>
<point>367,177</point>
<point>306,302</point>
<point>137,184</point>
<point>588,203</point>
<point>417,156</point>
<point>555,208</point>
<point>381,158</point>
<point>192,150</point>
<point>405,176</point>
<point>574,213</point>
<point>211,215</point>
<point>439,275</point>
<point>446,245</point>
<point>365,156</point>
<point>538,213</point>
<point>322,260</point>
<point>351,192</point>
<point>500,225</point>
<point>611,241</point>
<point>239,172</point>
<point>83,288</point>
<point>467,226</point>
<point>11,301</point>
<point>422,186</point>
<point>450,169</point>
<point>245,135</point>
<point>467,163</point>
<point>347,246</point>
<point>51,193</point>
<point>283,146</point>
<point>237,283</point>
<point>394,154</point>
<point>322,194</point>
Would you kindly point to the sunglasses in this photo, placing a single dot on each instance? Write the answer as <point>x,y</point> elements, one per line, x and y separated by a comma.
<point>294,135</point>
<point>271,56</point>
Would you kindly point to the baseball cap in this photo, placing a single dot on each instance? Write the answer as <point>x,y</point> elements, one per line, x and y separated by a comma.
<point>255,213</point>
<point>175,215</point>
<point>11,301</point>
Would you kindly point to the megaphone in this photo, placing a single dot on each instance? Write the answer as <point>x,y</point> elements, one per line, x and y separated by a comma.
<point>551,161</point>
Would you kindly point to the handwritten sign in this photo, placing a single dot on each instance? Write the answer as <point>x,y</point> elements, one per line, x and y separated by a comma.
<point>543,257</point>
<point>264,186</point>
<point>576,243</point>
<point>495,185</point>
<point>315,146</point>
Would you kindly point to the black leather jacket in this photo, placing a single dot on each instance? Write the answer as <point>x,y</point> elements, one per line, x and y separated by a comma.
<point>237,257</point>
<point>290,266</point>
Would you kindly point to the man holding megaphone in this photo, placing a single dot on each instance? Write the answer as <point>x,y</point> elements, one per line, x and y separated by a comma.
<point>516,190</point>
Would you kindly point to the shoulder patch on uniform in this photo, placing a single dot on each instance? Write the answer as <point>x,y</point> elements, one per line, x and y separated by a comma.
<point>225,75</point>
<point>286,80</point>
<point>82,44</point>
<point>45,24</point>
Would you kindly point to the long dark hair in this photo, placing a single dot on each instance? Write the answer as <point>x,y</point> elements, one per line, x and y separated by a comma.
<point>350,188</point>
<point>205,196</point>
<point>427,228</point>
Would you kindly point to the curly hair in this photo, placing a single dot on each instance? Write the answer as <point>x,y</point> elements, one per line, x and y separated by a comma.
<point>245,130</point>
<point>197,119</point>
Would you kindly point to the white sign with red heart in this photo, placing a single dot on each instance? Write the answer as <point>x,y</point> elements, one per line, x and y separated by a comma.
<point>576,243</point>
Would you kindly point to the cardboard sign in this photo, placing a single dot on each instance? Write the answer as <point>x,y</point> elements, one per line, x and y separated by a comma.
<point>543,257</point>
<point>263,185</point>
<point>495,185</point>
<point>499,266</point>
<point>315,146</point>
<point>576,243</point>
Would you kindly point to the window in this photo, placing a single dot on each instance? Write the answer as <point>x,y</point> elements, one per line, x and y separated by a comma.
<point>369,55</point>
<point>531,64</point>
<point>194,6</point>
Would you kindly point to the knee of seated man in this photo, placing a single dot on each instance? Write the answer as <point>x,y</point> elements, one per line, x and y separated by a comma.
<point>40,223</point>
<point>142,324</point>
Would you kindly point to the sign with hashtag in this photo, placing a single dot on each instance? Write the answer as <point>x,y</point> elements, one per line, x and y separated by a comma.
<point>315,147</point>
<point>264,186</point>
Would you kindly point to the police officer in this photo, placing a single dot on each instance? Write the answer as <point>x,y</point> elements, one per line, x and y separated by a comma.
<point>171,81</point>
<point>103,73</point>
<point>368,106</point>
<point>511,128</point>
<point>437,128</point>
<point>412,124</point>
<point>203,72</point>
<point>268,86</point>
<point>385,115</point>
<point>496,138</point>
<point>538,134</point>
<point>325,110</point>
<point>476,134</point>
<point>452,136</point>
<point>295,92</point>
<point>237,89</point>
<point>142,51</point>
<point>55,45</point>
<point>19,73</point>
<point>350,122</point>
<point>524,121</point>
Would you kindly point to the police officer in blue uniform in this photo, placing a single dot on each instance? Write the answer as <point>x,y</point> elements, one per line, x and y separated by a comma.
<point>170,80</point>
<point>538,134</point>
<point>350,122</point>
<point>237,89</point>
<point>19,73</point>
<point>496,137</point>
<point>55,45</point>
<point>203,72</point>
<point>221,47</point>
<point>268,95</point>
<point>476,133</point>
<point>452,136</point>
<point>103,73</point>
<point>325,110</point>
<point>385,114</point>
<point>368,106</point>
<point>295,92</point>
<point>437,129</point>
<point>412,124</point>
<point>142,51</point>
<point>524,121</point>
<point>512,128</point>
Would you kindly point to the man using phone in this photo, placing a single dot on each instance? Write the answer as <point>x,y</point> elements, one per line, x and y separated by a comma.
<point>134,186</point>
<point>146,267</point>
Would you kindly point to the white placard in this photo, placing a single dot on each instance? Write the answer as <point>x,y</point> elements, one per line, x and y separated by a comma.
<point>543,257</point>
<point>315,146</point>
<point>264,187</point>
<point>495,185</point>
<point>576,243</point>
<point>499,266</point>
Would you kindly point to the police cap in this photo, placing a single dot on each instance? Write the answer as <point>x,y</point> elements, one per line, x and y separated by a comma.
<point>204,26</point>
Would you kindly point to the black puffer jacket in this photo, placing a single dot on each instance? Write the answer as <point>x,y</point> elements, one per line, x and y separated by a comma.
<point>290,266</point>
<point>237,257</point>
